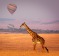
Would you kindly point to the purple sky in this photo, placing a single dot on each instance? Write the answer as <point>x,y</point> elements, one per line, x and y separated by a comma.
<point>38,14</point>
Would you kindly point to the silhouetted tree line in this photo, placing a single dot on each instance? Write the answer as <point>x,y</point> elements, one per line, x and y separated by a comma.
<point>15,30</point>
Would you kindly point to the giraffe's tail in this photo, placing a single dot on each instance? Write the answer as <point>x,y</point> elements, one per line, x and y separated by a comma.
<point>47,49</point>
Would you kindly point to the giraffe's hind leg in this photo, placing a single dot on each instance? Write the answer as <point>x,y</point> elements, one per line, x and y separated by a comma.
<point>45,48</point>
<point>34,46</point>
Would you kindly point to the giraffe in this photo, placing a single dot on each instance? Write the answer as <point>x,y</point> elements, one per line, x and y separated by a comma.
<point>35,37</point>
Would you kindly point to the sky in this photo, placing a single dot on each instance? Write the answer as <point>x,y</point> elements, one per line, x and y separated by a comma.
<point>38,14</point>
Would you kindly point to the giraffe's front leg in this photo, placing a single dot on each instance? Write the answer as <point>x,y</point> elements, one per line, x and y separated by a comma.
<point>34,45</point>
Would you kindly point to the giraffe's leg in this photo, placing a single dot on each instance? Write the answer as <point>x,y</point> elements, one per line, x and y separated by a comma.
<point>34,46</point>
<point>45,48</point>
<point>42,48</point>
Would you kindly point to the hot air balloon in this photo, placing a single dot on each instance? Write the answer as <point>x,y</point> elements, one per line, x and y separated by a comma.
<point>11,8</point>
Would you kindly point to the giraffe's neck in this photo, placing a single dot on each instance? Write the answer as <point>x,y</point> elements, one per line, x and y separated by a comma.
<point>30,31</point>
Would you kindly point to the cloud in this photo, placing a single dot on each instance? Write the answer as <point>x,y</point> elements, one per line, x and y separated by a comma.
<point>52,22</point>
<point>5,19</point>
<point>40,22</point>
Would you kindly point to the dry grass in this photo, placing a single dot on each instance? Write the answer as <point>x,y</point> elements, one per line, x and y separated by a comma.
<point>27,53</point>
<point>21,45</point>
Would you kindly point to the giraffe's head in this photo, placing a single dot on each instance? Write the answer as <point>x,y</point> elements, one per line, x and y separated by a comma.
<point>22,24</point>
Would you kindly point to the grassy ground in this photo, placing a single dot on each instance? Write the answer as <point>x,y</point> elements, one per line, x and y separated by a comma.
<point>21,45</point>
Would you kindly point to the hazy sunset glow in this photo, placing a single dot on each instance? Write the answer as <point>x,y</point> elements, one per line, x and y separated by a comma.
<point>38,14</point>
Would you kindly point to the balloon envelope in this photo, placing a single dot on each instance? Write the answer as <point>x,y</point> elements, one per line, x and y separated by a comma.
<point>11,8</point>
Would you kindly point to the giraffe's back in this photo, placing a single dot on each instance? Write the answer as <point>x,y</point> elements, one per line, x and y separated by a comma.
<point>38,39</point>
